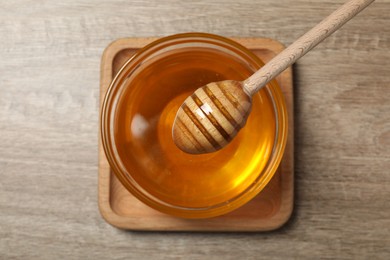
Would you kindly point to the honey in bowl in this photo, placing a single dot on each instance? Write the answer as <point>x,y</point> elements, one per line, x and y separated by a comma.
<point>137,130</point>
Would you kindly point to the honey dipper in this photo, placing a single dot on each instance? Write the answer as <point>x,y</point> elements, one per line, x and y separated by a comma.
<point>212,116</point>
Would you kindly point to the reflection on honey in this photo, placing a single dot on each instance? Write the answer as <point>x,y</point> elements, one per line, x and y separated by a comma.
<point>143,131</point>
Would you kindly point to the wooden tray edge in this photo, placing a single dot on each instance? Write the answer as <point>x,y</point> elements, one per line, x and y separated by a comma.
<point>286,208</point>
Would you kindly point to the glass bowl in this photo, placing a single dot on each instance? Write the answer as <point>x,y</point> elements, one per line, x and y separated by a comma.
<point>136,125</point>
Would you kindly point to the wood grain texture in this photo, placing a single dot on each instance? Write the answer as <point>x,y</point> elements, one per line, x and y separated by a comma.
<point>304,44</point>
<point>268,211</point>
<point>49,87</point>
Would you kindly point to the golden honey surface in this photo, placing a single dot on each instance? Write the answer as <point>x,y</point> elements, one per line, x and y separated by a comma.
<point>143,131</point>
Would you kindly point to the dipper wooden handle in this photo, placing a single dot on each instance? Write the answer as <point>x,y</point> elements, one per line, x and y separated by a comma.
<point>212,116</point>
<point>304,44</point>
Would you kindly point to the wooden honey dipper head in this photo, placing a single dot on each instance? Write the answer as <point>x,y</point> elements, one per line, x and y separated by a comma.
<point>211,117</point>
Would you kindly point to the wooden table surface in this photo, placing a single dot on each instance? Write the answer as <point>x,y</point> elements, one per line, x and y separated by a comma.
<point>49,88</point>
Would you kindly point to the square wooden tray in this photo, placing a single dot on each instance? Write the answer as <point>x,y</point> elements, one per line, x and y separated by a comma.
<point>267,211</point>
